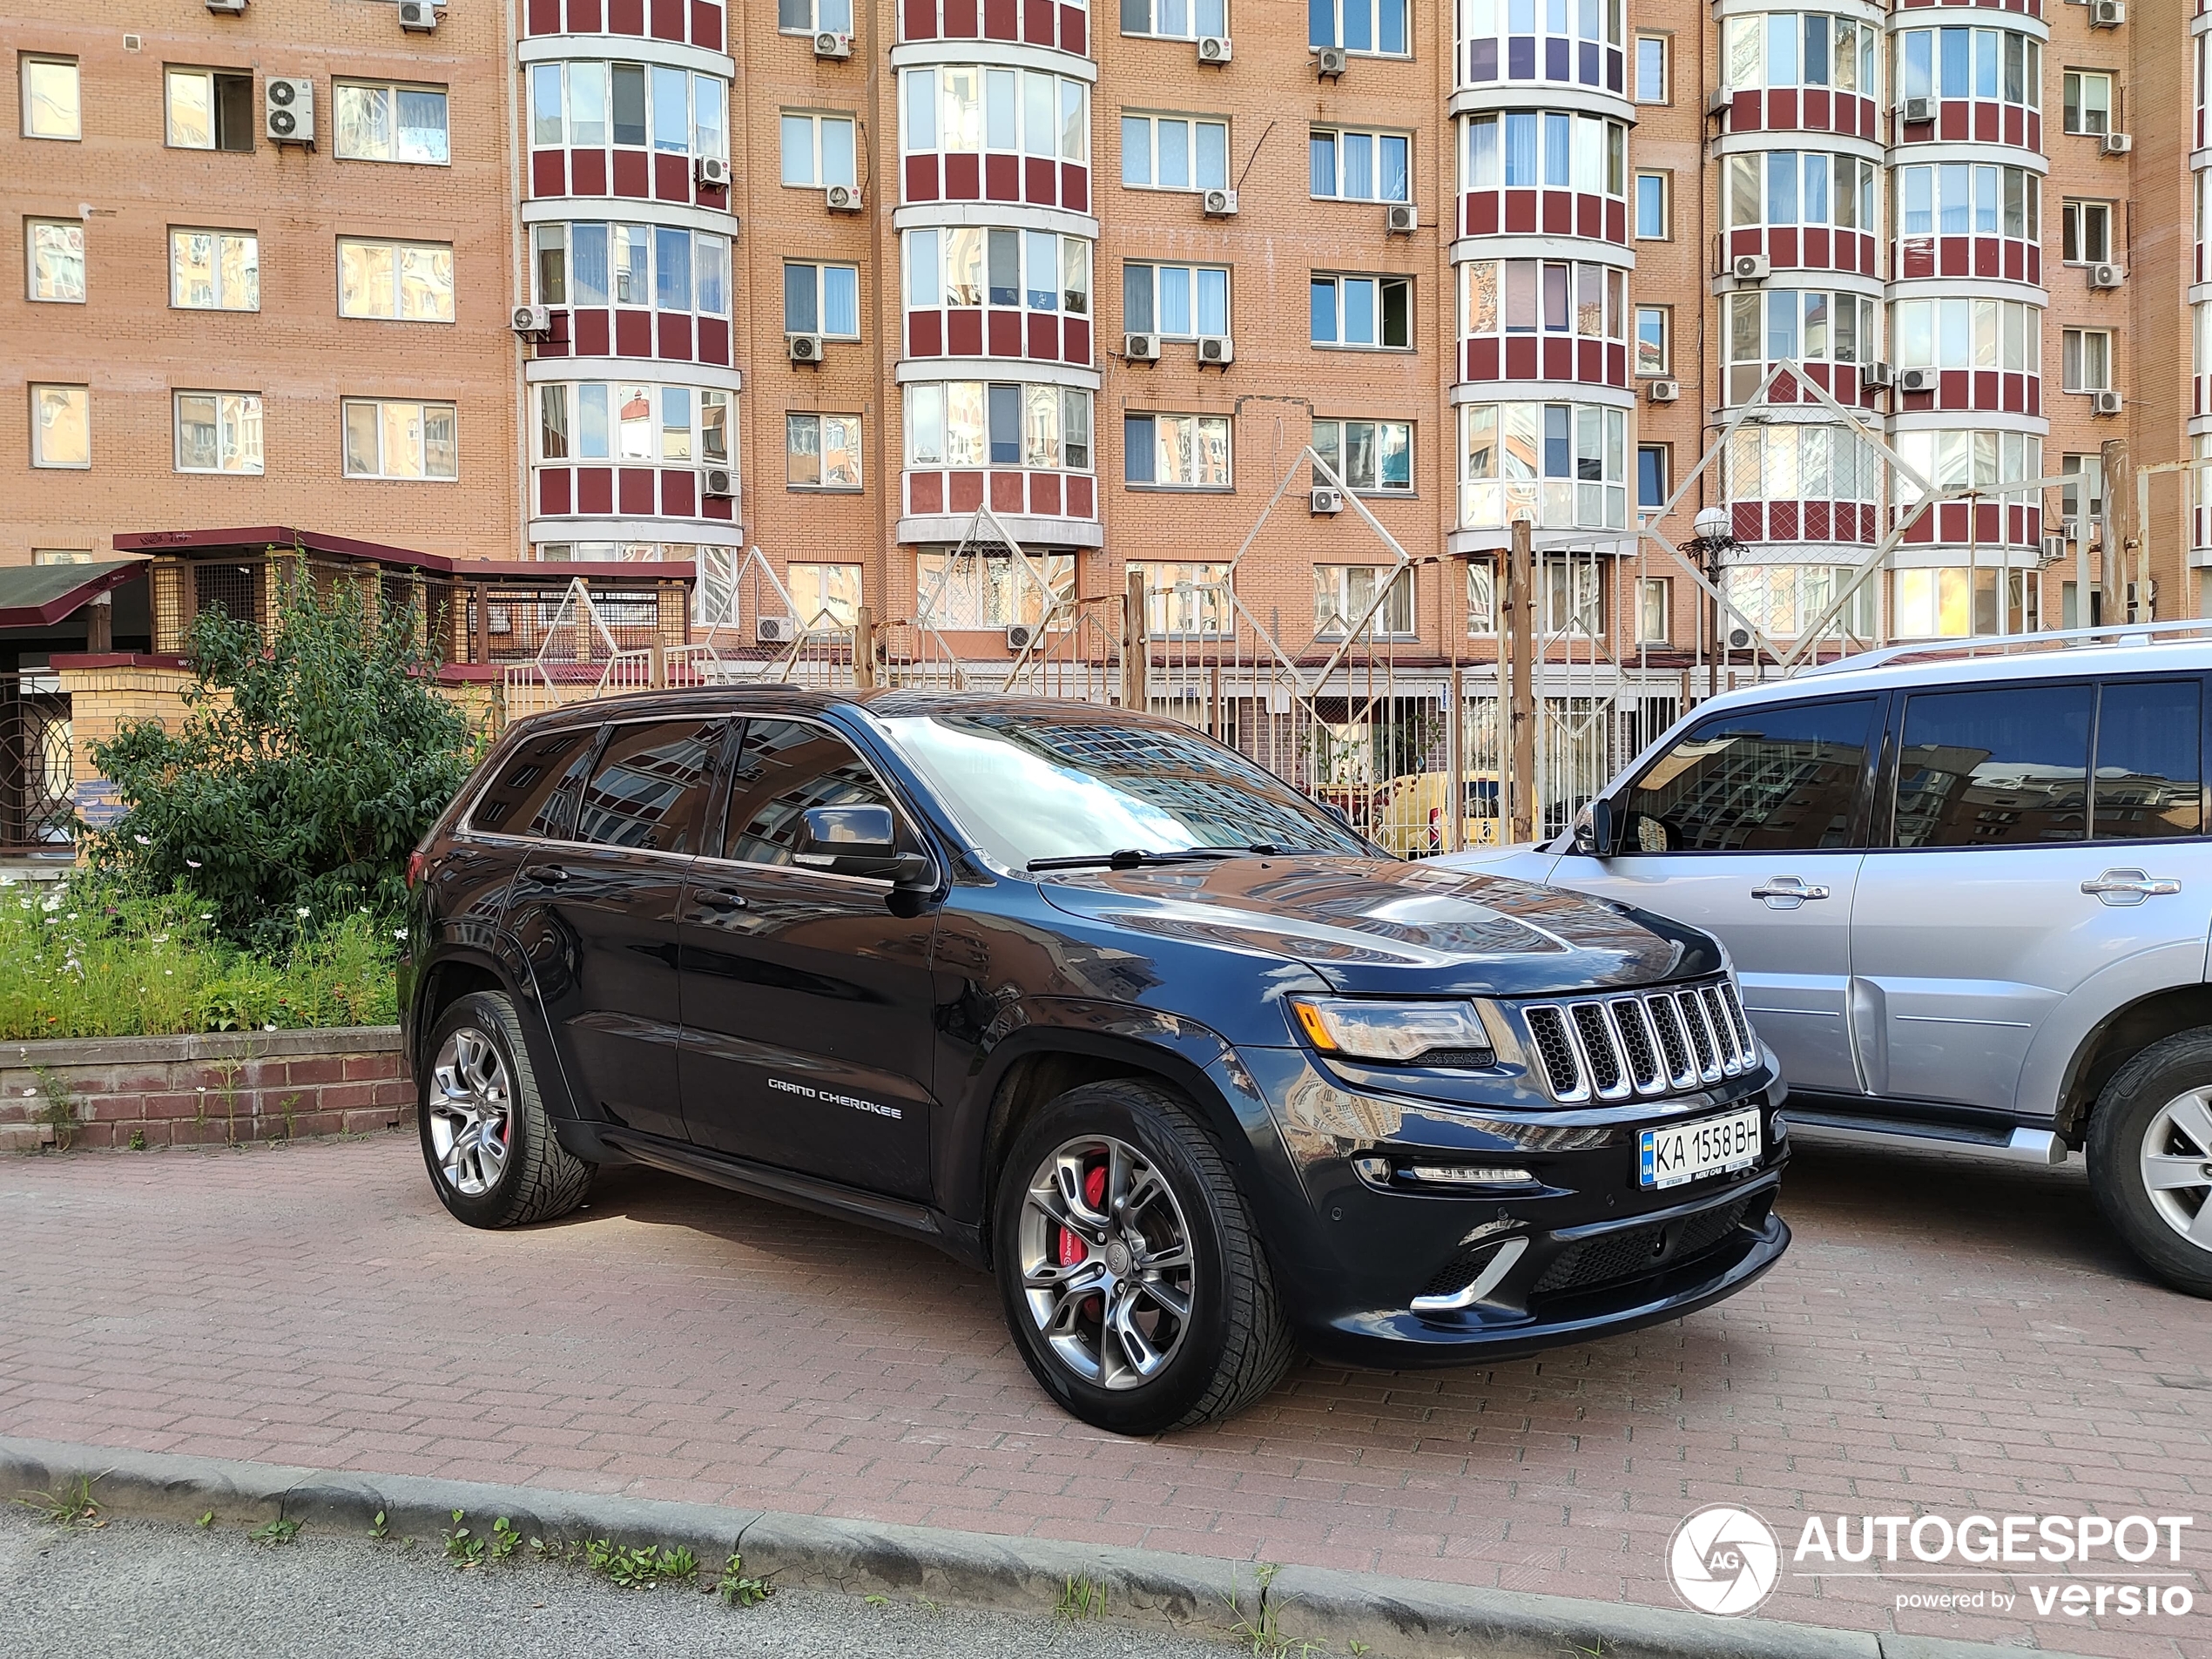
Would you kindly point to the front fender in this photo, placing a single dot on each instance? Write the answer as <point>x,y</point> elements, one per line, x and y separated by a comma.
<point>2057,1052</point>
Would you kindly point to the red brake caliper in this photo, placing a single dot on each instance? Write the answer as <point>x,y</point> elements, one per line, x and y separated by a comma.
<point>1072,1248</point>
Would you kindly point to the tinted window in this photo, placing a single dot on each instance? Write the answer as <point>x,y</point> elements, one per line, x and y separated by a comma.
<point>783,768</point>
<point>1756,779</point>
<point>650,788</point>
<point>2003,767</point>
<point>536,788</point>
<point>2148,760</point>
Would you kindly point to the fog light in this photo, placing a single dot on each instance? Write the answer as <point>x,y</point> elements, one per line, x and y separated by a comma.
<point>1466,1174</point>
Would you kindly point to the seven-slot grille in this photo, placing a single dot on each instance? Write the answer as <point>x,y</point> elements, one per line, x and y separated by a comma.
<point>1642,1042</point>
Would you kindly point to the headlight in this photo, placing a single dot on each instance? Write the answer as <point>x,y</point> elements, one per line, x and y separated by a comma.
<point>1393,1031</point>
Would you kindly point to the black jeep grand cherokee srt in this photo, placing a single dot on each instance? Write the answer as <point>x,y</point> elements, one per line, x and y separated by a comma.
<point>1091,1001</point>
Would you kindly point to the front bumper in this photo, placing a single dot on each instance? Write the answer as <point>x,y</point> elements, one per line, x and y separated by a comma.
<point>1375,1273</point>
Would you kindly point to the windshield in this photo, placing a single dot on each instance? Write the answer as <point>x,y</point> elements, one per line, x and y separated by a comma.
<point>1030,788</point>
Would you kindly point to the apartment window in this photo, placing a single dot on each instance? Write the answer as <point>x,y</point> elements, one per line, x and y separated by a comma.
<point>1342,594</point>
<point>61,555</point>
<point>1361,166</point>
<point>1967,333</point>
<point>1993,64</point>
<point>1174,152</point>
<point>1373,313</point>
<point>822,300</point>
<point>825,594</point>
<point>1566,464</point>
<point>1651,207</point>
<point>612,420</point>
<point>1960,200</point>
<point>1957,458</point>
<point>1799,49</point>
<point>1651,68</point>
<point>1808,325</point>
<point>976,423</point>
<point>210,109</point>
<point>2086,360</point>
<point>1655,609</point>
<point>1181,301</point>
<point>1654,327</point>
<point>969,108</point>
<point>2088,102</point>
<point>1175,19</point>
<point>817,151</point>
<point>214,269</point>
<point>1482,597</point>
<point>822,452</point>
<point>1784,601</point>
<point>1501,38</point>
<point>1370,457</point>
<point>218,432</point>
<point>388,438</point>
<point>1038,271</point>
<point>994,590</point>
<point>2084,481</point>
<point>54,259</point>
<point>1802,187</point>
<point>2088,232</point>
<point>1185,599</point>
<point>587,105</point>
<point>1793,462</point>
<point>1653,470</point>
<point>385,121</point>
<point>814,17</point>
<point>1533,148</point>
<point>1373,26</point>
<point>655,265</point>
<point>1550,296</point>
<point>52,102</point>
<point>61,426</point>
<point>1176,451</point>
<point>396,281</point>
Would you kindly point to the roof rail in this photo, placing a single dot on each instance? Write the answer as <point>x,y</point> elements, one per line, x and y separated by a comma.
<point>2133,633</point>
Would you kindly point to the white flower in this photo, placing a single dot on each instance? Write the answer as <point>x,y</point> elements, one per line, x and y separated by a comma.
<point>142,841</point>
<point>301,911</point>
<point>191,864</point>
<point>168,972</point>
<point>207,915</point>
<point>399,932</point>
<point>158,939</point>
<point>271,1026</point>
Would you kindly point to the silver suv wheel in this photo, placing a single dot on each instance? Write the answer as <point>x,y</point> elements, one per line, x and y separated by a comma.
<point>469,1099</point>
<point>2176,1155</point>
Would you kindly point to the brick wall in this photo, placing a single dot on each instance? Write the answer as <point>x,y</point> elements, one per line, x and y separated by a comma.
<point>223,1088</point>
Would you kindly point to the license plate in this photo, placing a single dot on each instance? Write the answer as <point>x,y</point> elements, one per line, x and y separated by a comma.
<point>1680,1152</point>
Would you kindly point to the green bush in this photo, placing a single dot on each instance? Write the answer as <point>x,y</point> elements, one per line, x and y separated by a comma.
<point>311,761</point>
<point>83,957</point>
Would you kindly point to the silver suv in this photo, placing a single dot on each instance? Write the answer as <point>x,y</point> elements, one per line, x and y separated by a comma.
<point>1970,899</point>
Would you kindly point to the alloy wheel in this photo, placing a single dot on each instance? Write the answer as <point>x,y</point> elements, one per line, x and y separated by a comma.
<point>470,1119</point>
<point>1107,1268</point>
<point>2177,1165</point>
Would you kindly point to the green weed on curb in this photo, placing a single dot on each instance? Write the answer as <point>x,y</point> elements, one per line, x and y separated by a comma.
<point>1080,1600</point>
<point>1256,1625</point>
<point>70,1504</point>
<point>641,1567</point>
<point>736,1589</point>
<point>272,1533</point>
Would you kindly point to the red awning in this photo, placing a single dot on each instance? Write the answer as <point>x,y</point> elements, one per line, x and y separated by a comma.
<point>261,538</point>
<point>38,596</point>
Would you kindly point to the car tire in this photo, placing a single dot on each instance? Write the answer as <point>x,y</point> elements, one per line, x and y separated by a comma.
<point>486,1136</point>
<point>1159,1223</point>
<point>2152,1123</point>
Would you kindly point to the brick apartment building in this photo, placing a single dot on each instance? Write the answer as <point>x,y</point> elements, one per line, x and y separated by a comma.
<point>820,283</point>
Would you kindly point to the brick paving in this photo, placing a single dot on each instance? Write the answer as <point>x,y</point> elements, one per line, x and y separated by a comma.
<point>1955,1334</point>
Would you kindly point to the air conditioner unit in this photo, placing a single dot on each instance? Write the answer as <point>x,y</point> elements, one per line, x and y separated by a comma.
<point>830,44</point>
<point>843,198</point>
<point>418,17</point>
<point>532,320</point>
<point>2116,144</point>
<point>1751,267</point>
<point>2054,549</point>
<point>2104,403</point>
<point>1327,499</point>
<point>1721,102</point>
<point>2106,14</point>
<point>1873,375</point>
<point>1221,203</point>
<point>1217,350</point>
<point>227,8</point>
<point>774,630</point>
<point>1141,349</point>
<point>288,115</point>
<point>804,348</point>
<point>1916,380</point>
<point>1213,49</point>
<point>1329,62</point>
<point>1661,391</point>
<point>1401,219</point>
<point>712,173</point>
<point>1739,639</point>
<point>2107,276</point>
<point>1019,635</point>
<point>718,483</point>
<point>1917,111</point>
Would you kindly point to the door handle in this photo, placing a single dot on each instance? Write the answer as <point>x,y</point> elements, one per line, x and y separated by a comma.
<point>551,874</point>
<point>2130,887</point>
<point>718,899</point>
<point>1787,891</point>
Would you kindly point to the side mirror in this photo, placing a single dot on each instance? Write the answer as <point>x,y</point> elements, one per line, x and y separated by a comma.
<point>1597,830</point>
<point>857,841</point>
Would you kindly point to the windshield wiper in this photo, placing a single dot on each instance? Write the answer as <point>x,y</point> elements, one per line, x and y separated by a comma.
<point>1130,858</point>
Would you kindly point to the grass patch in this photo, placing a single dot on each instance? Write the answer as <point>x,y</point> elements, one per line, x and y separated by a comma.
<point>70,1504</point>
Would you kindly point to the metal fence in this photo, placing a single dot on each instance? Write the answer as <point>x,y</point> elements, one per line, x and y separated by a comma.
<point>36,806</point>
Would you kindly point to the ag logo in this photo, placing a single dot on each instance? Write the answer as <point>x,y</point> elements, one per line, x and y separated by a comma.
<point>1723,1560</point>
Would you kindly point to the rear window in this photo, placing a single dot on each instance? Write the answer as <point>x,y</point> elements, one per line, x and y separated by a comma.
<point>2007,766</point>
<point>650,789</point>
<point>535,791</point>
<point>2149,781</point>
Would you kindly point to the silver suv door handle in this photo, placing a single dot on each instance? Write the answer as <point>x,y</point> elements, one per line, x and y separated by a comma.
<point>1787,891</point>
<point>2130,887</point>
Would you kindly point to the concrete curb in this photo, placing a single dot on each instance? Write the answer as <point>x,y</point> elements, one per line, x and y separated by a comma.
<point>1396,1618</point>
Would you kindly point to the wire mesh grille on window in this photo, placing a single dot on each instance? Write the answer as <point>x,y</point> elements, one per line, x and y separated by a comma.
<point>233,590</point>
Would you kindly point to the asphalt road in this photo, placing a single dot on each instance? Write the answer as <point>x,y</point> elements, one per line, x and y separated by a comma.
<point>135,1588</point>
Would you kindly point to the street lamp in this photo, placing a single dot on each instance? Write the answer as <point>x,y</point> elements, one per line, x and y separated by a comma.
<point>1713,533</point>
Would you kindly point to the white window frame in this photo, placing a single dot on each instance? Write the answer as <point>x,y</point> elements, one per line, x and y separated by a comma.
<point>1376,135</point>
<point>2081,78</point>
<point>424,409</point>
<point>2077,374</point>
<point>819,267</point>
<point>829,17</point>
<point>171,74</point>
<point>2074,228</point>
<point>1404,624</point>
<point>1152,120</point>
<point>574,396</point>
<point>177,232</point>
<point>1159,12</point>
<point>1192,448</point>
<point>1184,598</point>
<point>1374,28</point>
<point>817,164</point>
<point>51,60</point>
<point>561,76</point>
<point>340,85</point>
<point>1666,316</point>
<point>1054,127</point>
<point>559,237</point>
<point>397,248</point>
<point>81,397</point>
<point>927,407</point>
<point>923,261</point>
<point>821,576</point>
<point>1229,296</point>
<point>1662,590</point>
<point>225,415</point>
<point>1666,182</point>
<point>30,229</point>
<point>1381,279</point>
<point>820,488</point>
<point>1665,42</point>
<point>1378,488</point>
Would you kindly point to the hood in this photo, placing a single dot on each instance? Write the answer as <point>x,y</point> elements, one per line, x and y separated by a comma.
<point>1381,927</point>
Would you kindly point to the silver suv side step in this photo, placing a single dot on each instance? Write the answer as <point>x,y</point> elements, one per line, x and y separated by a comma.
<point>2022,1145</point>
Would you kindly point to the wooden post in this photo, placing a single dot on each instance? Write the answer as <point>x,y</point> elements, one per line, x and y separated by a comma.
<point>864,647</point>
<point>1521,619</point>
<point>99,624</point>
<point>1133,650</point>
